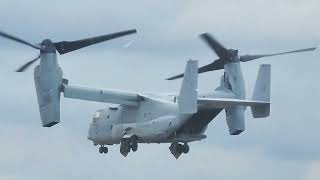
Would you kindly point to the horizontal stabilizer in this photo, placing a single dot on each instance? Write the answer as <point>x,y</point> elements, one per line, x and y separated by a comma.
<point>228,102</point>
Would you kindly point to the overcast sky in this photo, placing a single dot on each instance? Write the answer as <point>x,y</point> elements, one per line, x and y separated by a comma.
<point>283,146</point>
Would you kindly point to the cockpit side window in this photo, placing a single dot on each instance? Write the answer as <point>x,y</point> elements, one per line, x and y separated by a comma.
<point>96,116</point>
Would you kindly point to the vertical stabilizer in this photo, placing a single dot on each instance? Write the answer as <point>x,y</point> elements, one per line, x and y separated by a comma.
<point>262,92</point>
<point>189,93</point>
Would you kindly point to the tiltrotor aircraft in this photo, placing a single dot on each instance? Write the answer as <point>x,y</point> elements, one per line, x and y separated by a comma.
<point>153,118</point>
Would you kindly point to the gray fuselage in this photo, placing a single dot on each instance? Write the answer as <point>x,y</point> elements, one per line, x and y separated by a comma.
<point>155,120</point>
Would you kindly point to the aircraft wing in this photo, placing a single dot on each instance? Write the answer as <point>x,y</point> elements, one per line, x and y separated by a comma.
<point>101,95</point>
<point>216,103</point>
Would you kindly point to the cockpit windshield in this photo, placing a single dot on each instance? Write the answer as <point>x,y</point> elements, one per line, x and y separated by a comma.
<point>96,116</point>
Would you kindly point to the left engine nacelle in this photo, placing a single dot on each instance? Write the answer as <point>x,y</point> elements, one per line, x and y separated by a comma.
<point>48,86</point>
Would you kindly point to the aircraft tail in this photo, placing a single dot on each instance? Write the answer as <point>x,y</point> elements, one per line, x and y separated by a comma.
<point>189,90</point>
<point>262,92</point>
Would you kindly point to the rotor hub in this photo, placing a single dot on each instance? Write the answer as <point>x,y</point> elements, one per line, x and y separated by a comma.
<point>232,56</point>
<point>48,46</point>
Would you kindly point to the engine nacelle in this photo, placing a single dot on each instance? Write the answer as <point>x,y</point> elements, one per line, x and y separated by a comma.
<point>235,119</point>
<point>48,80</point>
<point>233,80</point>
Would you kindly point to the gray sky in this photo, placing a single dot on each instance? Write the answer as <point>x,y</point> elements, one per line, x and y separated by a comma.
<point>283,146</point>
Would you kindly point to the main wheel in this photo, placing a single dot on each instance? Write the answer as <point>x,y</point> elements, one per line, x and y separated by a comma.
<point>134,147</point>
<point>101,150</point>
<point>185,148</point>
<point>180,148</point>
<point>105,150</point>
<point>125,148</point>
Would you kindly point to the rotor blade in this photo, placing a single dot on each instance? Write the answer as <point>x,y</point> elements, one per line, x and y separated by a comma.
<point>216,65</point>
<point>68,46</point>
<point>246,58</point>
<point>26,65</point>
<point>215,45</point>
<point>175,77</point>
<point>16,39</point>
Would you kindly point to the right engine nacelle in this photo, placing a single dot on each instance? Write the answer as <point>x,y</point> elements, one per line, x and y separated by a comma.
<point>235,119</point>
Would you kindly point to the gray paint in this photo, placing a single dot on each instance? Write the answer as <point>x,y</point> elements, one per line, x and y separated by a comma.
<point>147,118</point>
<point>101,95</point>
<point>48,80</point>
<point>262,91</point>
<point>268,145</point>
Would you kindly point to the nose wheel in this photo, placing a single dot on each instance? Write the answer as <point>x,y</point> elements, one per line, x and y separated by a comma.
<point>103,149</point>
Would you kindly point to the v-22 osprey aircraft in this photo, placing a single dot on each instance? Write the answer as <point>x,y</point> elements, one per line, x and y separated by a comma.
<point>177,119</point>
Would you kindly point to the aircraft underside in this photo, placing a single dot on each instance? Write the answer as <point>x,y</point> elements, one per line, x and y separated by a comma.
<point>189,132</point>
<point>128,145</point>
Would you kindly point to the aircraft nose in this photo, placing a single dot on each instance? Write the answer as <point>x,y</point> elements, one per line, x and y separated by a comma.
<point>92,132</point>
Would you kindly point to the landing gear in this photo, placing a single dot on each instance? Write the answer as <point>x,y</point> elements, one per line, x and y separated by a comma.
<point>128,144</point>
<point>134,146</point>
<point>103,149</point>
<point>185,148</point>
<point>125,147</point>
<point>177,149</point>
